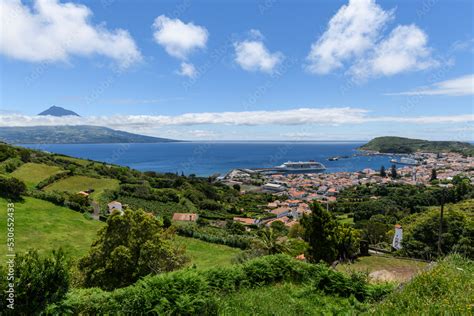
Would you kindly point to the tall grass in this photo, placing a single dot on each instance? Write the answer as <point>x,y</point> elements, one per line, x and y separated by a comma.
<point>446,289</point>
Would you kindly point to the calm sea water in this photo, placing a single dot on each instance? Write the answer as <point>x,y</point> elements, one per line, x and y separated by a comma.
<point>207,158</point>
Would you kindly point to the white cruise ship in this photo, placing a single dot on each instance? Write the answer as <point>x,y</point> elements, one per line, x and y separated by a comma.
<point>301,166</point>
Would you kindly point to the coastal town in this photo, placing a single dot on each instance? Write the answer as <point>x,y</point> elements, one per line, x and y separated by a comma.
<point>297,190</point>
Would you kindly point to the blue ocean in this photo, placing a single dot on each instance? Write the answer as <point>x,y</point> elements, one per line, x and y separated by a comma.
<point>208,158</point>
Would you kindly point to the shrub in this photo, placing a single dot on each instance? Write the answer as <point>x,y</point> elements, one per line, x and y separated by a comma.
<point>193,292</point>
<point>235,241</point>
<point>52,179</point>
<point>12,188</point>
<point>38,281</point>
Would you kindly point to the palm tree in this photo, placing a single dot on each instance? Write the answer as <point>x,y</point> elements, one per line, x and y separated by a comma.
<point>270,243</point>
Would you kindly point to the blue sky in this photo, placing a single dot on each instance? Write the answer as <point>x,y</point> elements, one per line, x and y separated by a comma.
<point>265,69</point>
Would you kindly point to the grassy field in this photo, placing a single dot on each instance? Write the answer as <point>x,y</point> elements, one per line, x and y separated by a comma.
<point>34,173</point>
<point>45,226</point>
<point>206,255</point>
<point>79,161</point>
<point>286,299</point>
<point>391,268</point>
<point>75,184</point>
<point>446,289</point>
<point>344,219</point>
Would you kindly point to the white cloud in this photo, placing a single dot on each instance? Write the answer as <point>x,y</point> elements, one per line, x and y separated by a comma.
<point>355,40</point>
<point>53,31</point>
<point>460,86</point>
<point>187,70</point>
<point>178,38</point>
<point>352,31</point>
<point>301,116</point>
<point>256,34</point>
<point>252,55</point>
<point>404,50</point>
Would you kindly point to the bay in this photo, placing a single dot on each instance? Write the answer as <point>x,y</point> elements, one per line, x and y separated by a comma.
<point>207,158</point>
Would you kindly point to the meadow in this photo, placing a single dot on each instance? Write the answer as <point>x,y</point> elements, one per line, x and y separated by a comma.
<point>287,299</point>
<point>75,184</point>
<point>33,173</point>
<point>207,255</point>
<point>44,226</point>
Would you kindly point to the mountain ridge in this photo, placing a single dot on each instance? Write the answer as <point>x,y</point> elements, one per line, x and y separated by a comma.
<point>73,134</point>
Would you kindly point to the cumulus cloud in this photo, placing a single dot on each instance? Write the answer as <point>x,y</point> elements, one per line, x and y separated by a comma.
<point>404,50</point>
<point>178,38</point>
<point>51,31</point>
<point>252,55</point>
<point>355,40</point>
<point>301,116</point>
<point>351,32</point>
<point>460,86</point>
<point>187,70</point>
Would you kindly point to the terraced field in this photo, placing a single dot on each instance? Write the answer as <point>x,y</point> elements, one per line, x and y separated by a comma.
<point>75,184</point>
<point>34,173</point>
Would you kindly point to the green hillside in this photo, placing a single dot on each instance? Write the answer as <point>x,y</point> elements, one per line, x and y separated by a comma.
<point>44,226</point>
<point>207,255</point>
<point>401,145</point>
<point>68,134</point>
<point>75,184</point>
<point>34,173</point>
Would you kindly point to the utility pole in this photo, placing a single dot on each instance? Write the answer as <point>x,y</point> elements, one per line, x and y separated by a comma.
<point>440,232</point>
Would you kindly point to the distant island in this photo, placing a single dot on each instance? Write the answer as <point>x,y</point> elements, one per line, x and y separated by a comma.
<point>401,145</point>
<point>58,111</point>
<point>68,134</point>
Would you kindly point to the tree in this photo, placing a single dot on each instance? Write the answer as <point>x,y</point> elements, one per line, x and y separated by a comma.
<point>320,227</point>
<point>279,228</point>
<point>421,241</point>
<point>376,232</point>
<point>348,240</point>
<point>236,187</point>
<point>270,242</point>
<point>11,188</point>
<point>38,281</point>
<point>296,231</point>
<point>234,228</point>
<point>383,173</point>
<point>434,175</point>
<point>167,222</point>
<point>393,172</point>
<point>129,247</point>
<point>328,240</point>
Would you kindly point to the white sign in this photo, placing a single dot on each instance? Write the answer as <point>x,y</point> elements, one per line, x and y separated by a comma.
<point>397,238</point>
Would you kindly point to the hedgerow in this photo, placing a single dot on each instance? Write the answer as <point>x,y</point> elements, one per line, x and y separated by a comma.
<point>235,241</point>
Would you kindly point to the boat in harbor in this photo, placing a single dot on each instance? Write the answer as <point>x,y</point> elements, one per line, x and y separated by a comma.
<point>296,167</point>
<point>301,166</point>
<point>405,161</point>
